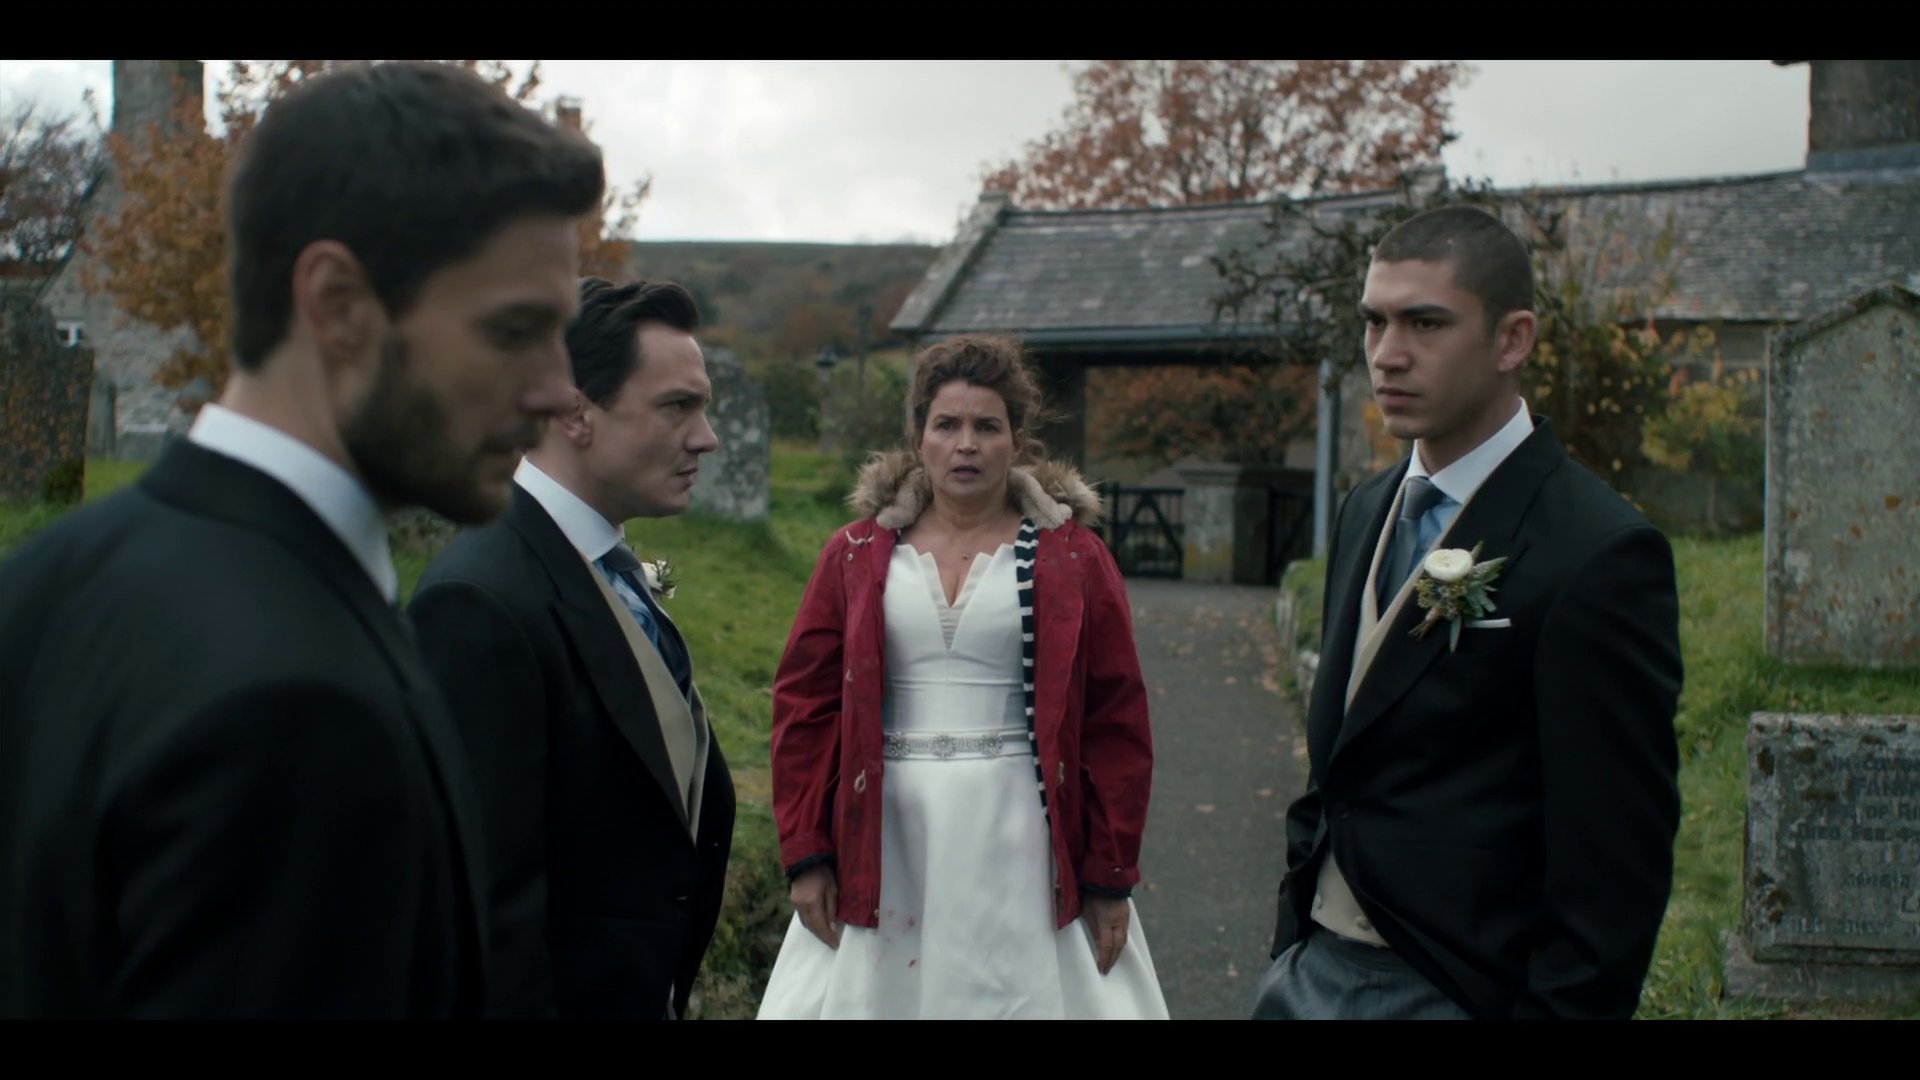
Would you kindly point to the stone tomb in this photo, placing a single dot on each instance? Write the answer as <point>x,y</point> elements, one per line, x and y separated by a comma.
<point>1832,875</point>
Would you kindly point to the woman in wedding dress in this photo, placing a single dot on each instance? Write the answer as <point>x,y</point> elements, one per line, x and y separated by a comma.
<point>961,750</point>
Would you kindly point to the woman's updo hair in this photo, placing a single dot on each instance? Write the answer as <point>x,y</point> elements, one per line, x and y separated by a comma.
<point>990,362</point>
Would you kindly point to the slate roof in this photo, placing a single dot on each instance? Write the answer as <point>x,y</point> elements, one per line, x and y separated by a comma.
<point>1765,248</point>
<point>1781,247</point>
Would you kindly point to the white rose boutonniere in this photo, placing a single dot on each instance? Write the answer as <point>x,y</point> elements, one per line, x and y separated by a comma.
<point>1448,565</point>
<point>1454,586</point>
<point>660,578</point>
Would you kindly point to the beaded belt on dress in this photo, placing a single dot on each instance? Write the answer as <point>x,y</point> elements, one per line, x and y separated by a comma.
<point>943,744</point>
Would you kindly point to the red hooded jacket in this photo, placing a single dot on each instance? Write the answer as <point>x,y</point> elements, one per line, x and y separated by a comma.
<point>1090,703</point>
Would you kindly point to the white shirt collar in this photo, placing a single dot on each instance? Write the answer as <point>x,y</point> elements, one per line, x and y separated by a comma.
<point>589,533</point>
<point>1461,479</point>
<point>333,493</point>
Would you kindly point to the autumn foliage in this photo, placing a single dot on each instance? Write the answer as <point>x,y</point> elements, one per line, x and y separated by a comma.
<point>1217,413</point>
<point>47,168</point>
<point>1709,427</point>
<point>1188,132</point>
<point>162,255</point>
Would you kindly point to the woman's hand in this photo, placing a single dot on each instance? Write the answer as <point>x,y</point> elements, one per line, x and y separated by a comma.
<point>1106,919</point>
<point>816,899</point>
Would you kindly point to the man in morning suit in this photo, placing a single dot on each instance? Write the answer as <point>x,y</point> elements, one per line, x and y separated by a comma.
<point>1488,824</point>
<point>608,805</point>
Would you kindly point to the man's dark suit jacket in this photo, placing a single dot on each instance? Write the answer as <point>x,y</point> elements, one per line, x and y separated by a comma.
<point>228,787</point>
<point>603,902</point>
<point>1504,813</point>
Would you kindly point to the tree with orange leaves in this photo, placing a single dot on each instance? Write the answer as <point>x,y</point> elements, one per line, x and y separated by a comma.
<point>162,255</point>
<point>1188,132</point>
<point>48,166</point>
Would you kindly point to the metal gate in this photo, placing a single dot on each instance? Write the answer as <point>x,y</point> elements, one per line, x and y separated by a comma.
<point>1143,529</point>
<point>1289,527</point>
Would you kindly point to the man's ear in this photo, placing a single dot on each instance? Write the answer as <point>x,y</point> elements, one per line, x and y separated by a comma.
<point>1514,338</point>
<point>335,309</point>
<point>574,421</point>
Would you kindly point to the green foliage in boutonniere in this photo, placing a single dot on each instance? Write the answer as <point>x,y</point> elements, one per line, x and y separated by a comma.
<point>1453,586</point>
<point>660,578</point>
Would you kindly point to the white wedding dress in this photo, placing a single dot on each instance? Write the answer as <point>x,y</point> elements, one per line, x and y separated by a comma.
<point>966,925</point>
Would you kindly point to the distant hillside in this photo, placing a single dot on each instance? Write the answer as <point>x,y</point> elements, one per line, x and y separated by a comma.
<point>776,301</point>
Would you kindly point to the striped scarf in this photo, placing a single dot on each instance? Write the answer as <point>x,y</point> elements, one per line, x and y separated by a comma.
<point>1024,550</point>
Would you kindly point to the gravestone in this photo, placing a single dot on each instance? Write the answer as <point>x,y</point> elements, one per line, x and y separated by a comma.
<point>44,392</point>
<point>1832,870</point>
<point>1843,485</point>
<point>102,419</point>
<point>733,479</point>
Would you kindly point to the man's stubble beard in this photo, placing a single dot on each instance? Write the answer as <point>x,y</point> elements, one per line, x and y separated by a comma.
<point>398,438</point>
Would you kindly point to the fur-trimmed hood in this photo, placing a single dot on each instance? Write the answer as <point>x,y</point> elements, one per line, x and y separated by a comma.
<point>894,489</point>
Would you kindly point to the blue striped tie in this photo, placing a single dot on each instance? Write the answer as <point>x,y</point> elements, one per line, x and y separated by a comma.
<point>622,566</point>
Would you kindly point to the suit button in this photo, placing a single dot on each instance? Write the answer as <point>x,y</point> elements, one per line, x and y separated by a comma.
<point>1340,811</point>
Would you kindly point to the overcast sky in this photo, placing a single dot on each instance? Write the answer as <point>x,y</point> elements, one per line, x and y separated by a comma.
<point>881,150</point>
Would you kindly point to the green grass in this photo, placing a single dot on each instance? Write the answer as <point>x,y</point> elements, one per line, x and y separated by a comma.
<point>19,522</point>
<point>738,586</point>
<point>102,478</point>
<point>1728,678</point>
<point>106,477</point>
<point>1306,581</point>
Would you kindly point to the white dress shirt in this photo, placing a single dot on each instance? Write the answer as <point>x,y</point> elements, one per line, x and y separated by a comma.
<point>331,492</point>
<point>589,533</point>
<point>1461,479</point>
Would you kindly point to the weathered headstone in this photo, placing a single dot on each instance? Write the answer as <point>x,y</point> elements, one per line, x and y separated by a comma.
<point>102,419</point>
<point>1843,485</point>
<point>44,390</point>
<point>733,479</point>
<point>1832,875</point>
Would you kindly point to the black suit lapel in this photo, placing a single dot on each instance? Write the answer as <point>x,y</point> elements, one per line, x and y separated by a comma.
<point>596,635</point>
<point>1338,637</point>
<point>1493,517</point>
<point>216,486</point>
